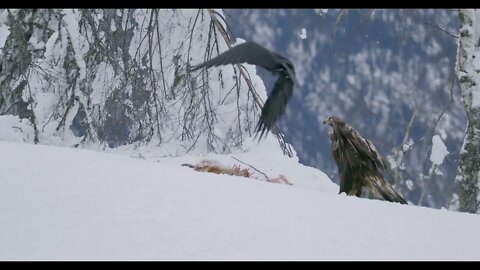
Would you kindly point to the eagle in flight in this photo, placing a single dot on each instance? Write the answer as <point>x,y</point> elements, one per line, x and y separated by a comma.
<point>359,164</point>
<point>255,54</point>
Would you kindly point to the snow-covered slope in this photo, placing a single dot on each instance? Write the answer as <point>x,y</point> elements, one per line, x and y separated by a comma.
<point>60,203</point>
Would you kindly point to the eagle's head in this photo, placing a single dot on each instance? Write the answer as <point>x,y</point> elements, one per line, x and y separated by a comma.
<point>333,121</point>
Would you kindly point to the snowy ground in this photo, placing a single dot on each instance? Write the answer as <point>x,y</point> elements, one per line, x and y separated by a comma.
<point>61,204</point>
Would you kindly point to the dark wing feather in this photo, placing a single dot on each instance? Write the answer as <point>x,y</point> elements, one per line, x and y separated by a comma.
<point>359,164</point>
<point>345,173</point>
<point>364,147</point>
<point>248,52</point>
<point>338,152</point>
<point>275,104</point>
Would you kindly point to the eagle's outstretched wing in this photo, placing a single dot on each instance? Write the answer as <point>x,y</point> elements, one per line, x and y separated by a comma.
<point>248,52</point>
<point>252,53</point>
<point>275,104</point>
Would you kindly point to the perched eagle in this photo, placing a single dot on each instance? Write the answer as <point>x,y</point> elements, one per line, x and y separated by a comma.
<point>255,54</point>
<point>359,163</point>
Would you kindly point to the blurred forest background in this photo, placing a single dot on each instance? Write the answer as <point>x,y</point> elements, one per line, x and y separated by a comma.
<point>389,73</point>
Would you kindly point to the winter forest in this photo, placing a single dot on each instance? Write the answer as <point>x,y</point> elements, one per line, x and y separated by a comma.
<point>119,79</point>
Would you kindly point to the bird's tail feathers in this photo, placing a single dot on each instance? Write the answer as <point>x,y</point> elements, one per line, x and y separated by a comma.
<point>261,130</point>
<point>386,190</point>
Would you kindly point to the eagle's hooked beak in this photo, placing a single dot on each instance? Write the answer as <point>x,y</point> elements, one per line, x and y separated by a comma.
<point>327,121</point>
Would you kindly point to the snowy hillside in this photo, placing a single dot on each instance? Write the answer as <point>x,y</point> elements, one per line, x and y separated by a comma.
<point>60,203</point>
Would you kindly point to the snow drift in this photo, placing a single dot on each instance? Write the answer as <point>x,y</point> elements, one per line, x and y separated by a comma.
<point>69,204</point>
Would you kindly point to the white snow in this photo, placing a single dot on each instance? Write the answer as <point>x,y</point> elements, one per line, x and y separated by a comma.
<point>79,43</point>
<point>407,145</point>
<point>12,128</point>
<point>439,150</point>
<point>321,11</point>
<point>476,98</point>
<point>4,32</point>
<point>112,26</point>
<point>303,33</point>
<point>409,184</point>
<point>351,79</point>
<point>50,45</point>
<point>104,79</point>
<point>70,204</point>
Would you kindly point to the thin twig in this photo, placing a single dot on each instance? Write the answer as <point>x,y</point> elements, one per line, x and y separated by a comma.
<point>441,29</point>
<point>21,130</point>
<point>251,167</point>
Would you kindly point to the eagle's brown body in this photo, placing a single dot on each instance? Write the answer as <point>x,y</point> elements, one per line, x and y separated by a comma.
<point>359,163</point>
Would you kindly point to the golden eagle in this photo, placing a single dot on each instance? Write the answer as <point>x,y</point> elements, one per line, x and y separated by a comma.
<point>359,163</point>
<point>255,54</point>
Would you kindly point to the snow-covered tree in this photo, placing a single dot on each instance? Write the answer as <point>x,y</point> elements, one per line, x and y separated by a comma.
<point>119,76</point>
<point>468,72</point>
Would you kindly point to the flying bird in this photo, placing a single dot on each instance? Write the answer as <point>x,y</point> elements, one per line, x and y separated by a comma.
<point>359,163</point>
<point>255,54</point>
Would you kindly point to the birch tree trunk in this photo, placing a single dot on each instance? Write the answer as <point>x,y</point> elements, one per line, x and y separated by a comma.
<point>468,69</point>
